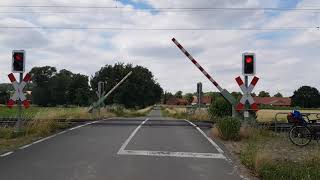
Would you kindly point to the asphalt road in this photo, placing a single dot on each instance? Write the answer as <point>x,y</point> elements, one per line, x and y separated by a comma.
<point>122,149</point>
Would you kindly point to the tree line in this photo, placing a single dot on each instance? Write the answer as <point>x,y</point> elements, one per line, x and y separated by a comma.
<point>305,96</point>
<point>50,87</point>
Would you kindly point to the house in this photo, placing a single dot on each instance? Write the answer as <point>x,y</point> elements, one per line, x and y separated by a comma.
<point>176,101</point>
<point>273,101</point>
<point>205,100</point>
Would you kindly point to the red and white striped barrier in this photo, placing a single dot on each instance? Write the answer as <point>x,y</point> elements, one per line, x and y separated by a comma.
<point>247,94</point>
<point>18,94</point>
<point>197,64</point>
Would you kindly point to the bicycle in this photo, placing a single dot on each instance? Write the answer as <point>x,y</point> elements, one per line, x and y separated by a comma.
<point>301,133</point>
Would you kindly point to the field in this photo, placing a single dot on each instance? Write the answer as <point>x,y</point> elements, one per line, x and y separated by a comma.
<point>70,112</point>
<point>46,112</point>
<point>263,115</point>
<point>267,115</point>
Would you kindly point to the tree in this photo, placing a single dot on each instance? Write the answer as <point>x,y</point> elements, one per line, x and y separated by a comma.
<point>307,97</point>
<point>67,88</point>
<point>5,89</point>
<point>178,94</point>
<point>236,95</point>
<point>278,95</point>
<point>79,90</point>
<point>253,94</point>
<point>220,108</point>
<point>189,97</point>
<point>59,87</point>
<point>166,96</point>
<point>62,88</point>
<point>264,94</point>
<point>40,80</point>
<point>139,90</point>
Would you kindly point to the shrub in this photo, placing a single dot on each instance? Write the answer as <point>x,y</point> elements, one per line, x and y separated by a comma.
<point>220,108</point>
<point>9,133</point>
<point>248,155</point>
<point>229,128</point>
<point>42,127</point>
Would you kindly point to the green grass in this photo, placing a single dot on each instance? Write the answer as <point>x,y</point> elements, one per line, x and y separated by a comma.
<point>181,113</point>
<point>308,170</point>
<point>6,112</point>
<point>229,128</point>
<point>34,112</point>
<point>271,156</point>
<point>122,112</point>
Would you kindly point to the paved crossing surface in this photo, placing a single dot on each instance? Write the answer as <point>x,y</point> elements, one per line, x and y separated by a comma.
<point>122,149</point>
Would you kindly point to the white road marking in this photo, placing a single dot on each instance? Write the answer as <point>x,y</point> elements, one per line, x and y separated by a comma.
<point>209,139</point>
<point>191,123</point>
<point>122,150</point>
<point>62,132</point>
<point>25,146</point>
<point>131,136</point>
<point>77,127</point>
<point>54,135</point>
<point>6,154</point>
<point>173,154</point>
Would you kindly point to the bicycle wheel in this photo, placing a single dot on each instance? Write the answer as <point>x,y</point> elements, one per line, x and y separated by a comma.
<point>300,135</point>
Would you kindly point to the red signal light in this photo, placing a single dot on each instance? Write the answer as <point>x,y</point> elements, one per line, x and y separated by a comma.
<point>248,64</point>
<point>248,59</point>
<point>18,61</point>
<point>18,57</point>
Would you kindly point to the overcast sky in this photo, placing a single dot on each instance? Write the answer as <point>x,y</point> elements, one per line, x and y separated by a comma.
<point>286,59</point>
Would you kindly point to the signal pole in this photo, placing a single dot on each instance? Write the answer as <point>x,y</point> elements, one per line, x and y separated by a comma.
<point>19,122</point>
<point>248,69</point>
<point>246,111</point>
<point>18,66</point>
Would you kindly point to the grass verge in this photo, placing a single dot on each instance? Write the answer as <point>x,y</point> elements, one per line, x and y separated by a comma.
<point>272,156</point>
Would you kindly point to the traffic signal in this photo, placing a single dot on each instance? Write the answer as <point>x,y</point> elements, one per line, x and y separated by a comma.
<point>248,64</point>
<point>18,61</point>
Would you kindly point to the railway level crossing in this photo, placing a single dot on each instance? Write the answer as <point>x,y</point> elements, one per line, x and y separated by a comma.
<point>248,69</point>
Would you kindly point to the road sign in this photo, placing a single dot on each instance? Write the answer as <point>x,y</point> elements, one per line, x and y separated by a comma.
<point>247,94</point>
<point>248,64</point>
<point>224,92</point>
<point>18,87</point>
<point>18,61</point>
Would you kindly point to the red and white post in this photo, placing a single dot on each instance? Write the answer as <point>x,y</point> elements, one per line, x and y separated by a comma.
<point>247,94</point>
<point>19,96</point>
<point>197,64</point>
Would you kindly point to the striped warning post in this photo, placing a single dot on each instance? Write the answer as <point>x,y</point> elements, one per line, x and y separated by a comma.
<point>196,64</point>
<point>247,94</point>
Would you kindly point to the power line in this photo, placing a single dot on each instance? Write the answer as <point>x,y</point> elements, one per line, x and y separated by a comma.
<point>161,29</point>
<point>164,8</point>
<point>102,12</point>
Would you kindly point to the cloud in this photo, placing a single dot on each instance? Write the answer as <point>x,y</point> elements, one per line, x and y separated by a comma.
<point>285,60</point>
